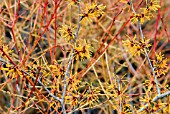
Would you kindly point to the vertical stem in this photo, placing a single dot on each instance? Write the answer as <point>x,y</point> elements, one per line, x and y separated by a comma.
<point>78,27</point>
<point>146,54</point>
<point>70,61</point>
<point>120,100</point>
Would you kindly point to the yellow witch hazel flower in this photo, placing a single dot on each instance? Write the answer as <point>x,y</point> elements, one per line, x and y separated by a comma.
<point>135,47</point>
<point>160,64</point>
<point>96,10</point>
<point>141,17</point>
<point>92,11</point>
<point>82,51</point>
<point>130,44</point>
<point>137,17</point>
<point>57,69</point>
<point>73,83</point>
<point>153,5</point>
<point>6,49</point>
<point>146,12</point>
<point>67,32</point>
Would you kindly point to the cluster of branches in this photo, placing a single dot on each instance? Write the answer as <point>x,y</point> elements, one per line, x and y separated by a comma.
<point>71,56</point>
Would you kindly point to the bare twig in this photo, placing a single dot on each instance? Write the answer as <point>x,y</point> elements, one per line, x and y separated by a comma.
<point>70,61</point>
<point>80,18</point>
<point>155,99</point>
<point>65,83</point>
<point>56,98</point>
<point>2,60</point>
<point>128,62</point>
<point>101,85</point>
<point>120,99</point>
